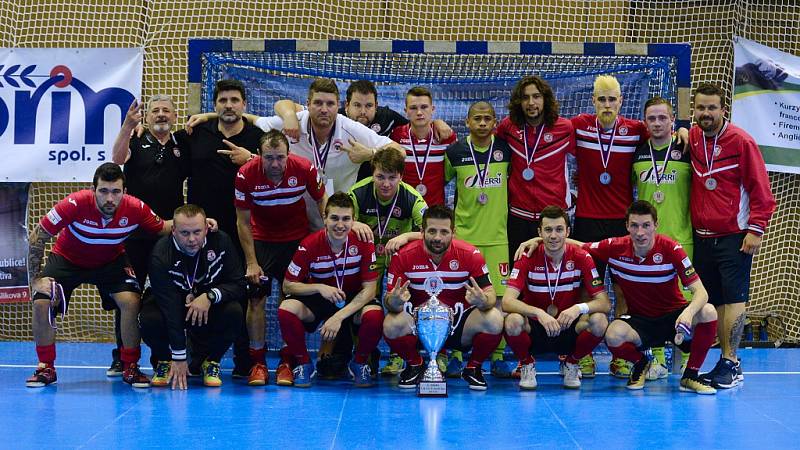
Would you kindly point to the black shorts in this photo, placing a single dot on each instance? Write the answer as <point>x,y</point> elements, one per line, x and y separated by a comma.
<point>541,343</point>
<point>453,342</point>
<point>519,230</point>
<point>723,269</point>
<point>274,258</point>
<point>595,230</point>
<point>116,276</point>
<point>322,308</point>
<point>654,331</point>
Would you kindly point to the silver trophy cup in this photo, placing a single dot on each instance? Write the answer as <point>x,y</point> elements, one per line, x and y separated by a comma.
<point>435,322</point>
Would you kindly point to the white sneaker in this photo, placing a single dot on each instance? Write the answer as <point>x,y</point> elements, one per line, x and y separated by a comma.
<point>572,376</point>
<point>527,376</point>
<point>656,372</point>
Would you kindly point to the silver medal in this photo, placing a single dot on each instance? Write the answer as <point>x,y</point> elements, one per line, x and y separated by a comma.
<point>605,178</point>
<point>658,196</point>
<point>552,310</point>
<point>711,184</point>
<point>422,189</point>
<point>527,174</point>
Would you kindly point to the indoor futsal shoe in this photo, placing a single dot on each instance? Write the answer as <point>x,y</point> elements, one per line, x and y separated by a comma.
<point>362,376</point>
<point>284,375</point>
<point>134,376</point>
<point>258,375</point>
<point>161,374</point>
<point>303,374</point>
<point>211,376</point>
<point>636,379</point>
<point>410,376</point>
<point>44,375</point>
<point>474,377</point>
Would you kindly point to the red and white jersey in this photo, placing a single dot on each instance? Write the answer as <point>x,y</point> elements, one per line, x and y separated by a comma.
<point>530,276</point>
<point>458,263</point>
<point>742,199</point>
<point>277,211</point>
<point>90,240</point>
<point>550,184</point>
<point>314,262</point>
<point>596,200</point>
<point>650,284</point>
<point>433,165</point>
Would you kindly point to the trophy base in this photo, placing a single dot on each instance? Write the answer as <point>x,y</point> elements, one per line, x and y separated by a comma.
<point>432,389</point>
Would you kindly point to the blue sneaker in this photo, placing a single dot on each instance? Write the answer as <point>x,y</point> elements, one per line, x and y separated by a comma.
<point>502,369</point>
<point>454,367</point>
<point>724,375</point>
<point>362,375</point>
<point>303,374</point>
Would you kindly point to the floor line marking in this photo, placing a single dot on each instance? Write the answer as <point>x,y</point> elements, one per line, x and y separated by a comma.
<point>339,423</point>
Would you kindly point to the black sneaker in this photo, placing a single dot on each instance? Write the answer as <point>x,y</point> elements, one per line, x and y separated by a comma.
<point>240,372</point>
<point>195,368</point>
<point>726,375</point>
<point>115,370</point>
<point>713,373</point>
<point>474,377</point>
<point>410,376</point>
<point>333,366</point>
<point>739,373</point>
<point>374,362</point>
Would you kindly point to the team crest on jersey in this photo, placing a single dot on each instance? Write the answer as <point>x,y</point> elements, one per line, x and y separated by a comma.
<point>352,250</point>
<point>376,127</point>
<point>595,274</point>
<point>503,268</point>
<point>658,258</point>
<point>548,137</point>
<point>337,145</point>
<point>717,150</point>
<point>123,221</point>
<point>397,211</point>
<point>238,194</point>
<point>292,181</point>
<point>497,155</point>
<point>623,131</point>
<point>293,269</point>
<point>570,265</point>
<point>514,274</point>
<point>676,154</point>
<point>176,151</point>
<point>453,265</point>
<point>211,255</point>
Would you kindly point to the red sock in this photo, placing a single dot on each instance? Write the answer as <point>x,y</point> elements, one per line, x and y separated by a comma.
<point>287,357</point>
<point>46,354</point>
<point>258,355</point>
<point>627,351</point>
<point>294,334</point>
<point>585,343</point>
<point>483,344</point>
<point>521,346</point>
<point>129,355</point>
<point>702,340</point>
<point>406,347</point>
<point>369,333</point>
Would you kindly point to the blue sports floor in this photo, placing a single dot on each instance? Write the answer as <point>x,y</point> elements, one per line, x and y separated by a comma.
<point>87,410</point>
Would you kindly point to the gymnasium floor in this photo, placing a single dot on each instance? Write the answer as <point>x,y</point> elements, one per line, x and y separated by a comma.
<point>87,410</point>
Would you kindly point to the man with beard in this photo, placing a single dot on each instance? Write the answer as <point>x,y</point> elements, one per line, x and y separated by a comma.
<point>461,270</point>
<point>731,205</point>
<point>155,169</point>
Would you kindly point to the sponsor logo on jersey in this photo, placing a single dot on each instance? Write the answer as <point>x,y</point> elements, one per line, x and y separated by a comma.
<point>238,194</point>
<point>419,267</point>
<point>293,269</point>
<point>649,176</point>
<point>90,222</point>
<point>72,200</point>
<point>453,264</point>
<point>373,267</point>
<point>597,282</point>
<point>123,221</point>
<point>497,155</point>
<point>625,258</point>
<point>53,217</point>
<point>570,265</point>
<point>688,272</point>
<point>352,250</point>
<point>658,258</point>
<point>503,269</point>
<point>240,175</point>
<point>548,137</point>
<point>623,131</point>
<point>472,181</point>
<point>211,255</point>
<point>292,181</point>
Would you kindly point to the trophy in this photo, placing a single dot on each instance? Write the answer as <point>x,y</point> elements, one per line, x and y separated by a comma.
<point>435,322</point>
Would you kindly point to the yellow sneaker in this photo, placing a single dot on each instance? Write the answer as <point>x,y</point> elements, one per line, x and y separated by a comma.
<point>588,366</point>
<point>690,384</point>
<point>393,366</point>
<point>637,377</point>
<point>211,374</point>
<point>620,368</point>
<point>160,374</point>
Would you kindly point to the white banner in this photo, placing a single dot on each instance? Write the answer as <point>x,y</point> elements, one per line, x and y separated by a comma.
<point>766,102</point>
<point>61,109</point>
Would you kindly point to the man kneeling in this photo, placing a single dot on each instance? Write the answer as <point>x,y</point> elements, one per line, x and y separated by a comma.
<point>197,284</point>
<point>549,317</point>
<point>331,277</point>
<point>465,279</point>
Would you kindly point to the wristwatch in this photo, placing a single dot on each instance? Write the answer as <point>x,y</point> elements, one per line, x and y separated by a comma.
<point>212,296</point>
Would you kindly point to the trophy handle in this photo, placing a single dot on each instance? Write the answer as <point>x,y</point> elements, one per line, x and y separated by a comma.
<point>409,308</point>
<point>459,313</point>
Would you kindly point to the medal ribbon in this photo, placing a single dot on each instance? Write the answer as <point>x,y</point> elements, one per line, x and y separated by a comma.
<point>481,174</point>
<point>529,156</point>
<point>382,228</point>
<point>655,166</point>
<point>710,165</point>
<point>420,172</point>
<point>605,152</point>
<point>320,152</point>
<point>340,278</point>
<point>552,291</point>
